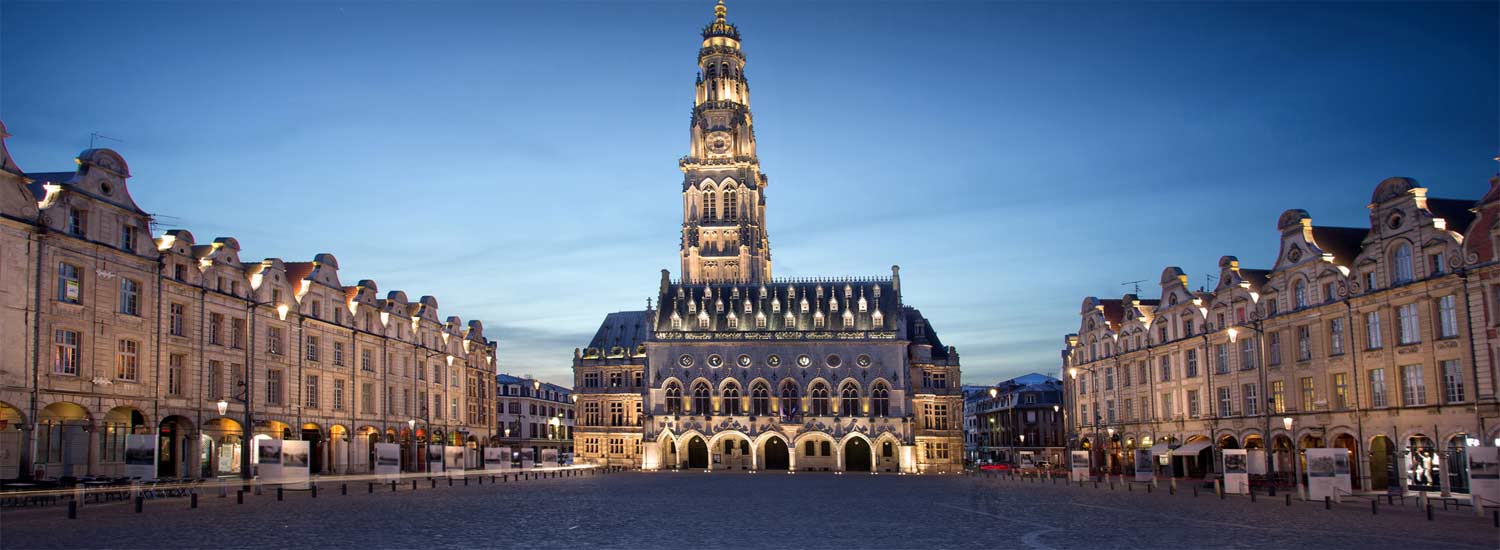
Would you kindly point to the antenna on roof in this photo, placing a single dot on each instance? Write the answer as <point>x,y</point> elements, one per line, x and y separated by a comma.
<point>1208,281</point>
<point>1135,284</point>
<point>95,136</point>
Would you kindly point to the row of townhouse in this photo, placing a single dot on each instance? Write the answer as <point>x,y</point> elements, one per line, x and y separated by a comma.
<point>110,333</point>
<point>1379,340</point>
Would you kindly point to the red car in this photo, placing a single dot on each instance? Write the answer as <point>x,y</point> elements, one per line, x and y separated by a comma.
<point>1001,467</point>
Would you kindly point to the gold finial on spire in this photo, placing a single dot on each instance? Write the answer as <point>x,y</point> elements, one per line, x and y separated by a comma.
<point>720,10</point>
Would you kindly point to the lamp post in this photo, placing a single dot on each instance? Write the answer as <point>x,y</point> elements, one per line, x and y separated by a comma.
<point>1265,443</point>
<point>1286,422</point>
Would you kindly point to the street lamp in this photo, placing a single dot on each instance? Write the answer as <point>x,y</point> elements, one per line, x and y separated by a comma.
<point>1265,444</point>
<point>1286,422</point>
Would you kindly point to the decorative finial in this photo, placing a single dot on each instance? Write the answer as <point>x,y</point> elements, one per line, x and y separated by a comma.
<point>720,10</point>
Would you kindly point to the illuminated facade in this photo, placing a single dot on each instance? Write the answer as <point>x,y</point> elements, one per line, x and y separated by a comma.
<point>1376,339</point>
<point>533,416</point>
<point>110,332</point>
<point>735,370</point>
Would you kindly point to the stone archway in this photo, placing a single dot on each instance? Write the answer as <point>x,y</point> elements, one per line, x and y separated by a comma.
<point>12,422</point>
<point>697,453</point>
<point>1384,469</point>
<point>857,455</point>
<point>174,447</point>
<point>776,454</point>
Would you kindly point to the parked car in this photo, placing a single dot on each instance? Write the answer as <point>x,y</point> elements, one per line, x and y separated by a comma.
<point>1001,467</point>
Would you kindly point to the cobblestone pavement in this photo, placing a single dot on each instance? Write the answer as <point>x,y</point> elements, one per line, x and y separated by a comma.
<point>727,510</point>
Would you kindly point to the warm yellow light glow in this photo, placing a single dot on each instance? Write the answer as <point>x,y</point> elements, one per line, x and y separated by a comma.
<point>385,318</point>
<point>1233,334</point>
<point>255,281</point>
<point>281,310</point>
<point>994,392</point>
<point>1287,422</point>
<point>1073,372</point>
<point>450,360</point>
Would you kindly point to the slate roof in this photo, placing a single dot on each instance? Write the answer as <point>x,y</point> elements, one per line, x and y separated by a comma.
<point>688,301</point>
<point>1457,212</point>
<point>40,178</point>
<point>1343,242</point>
<point>625,329</point>
<point>919,331</point>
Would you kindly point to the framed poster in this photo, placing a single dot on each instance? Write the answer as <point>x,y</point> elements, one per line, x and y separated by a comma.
<point>1255,461</point>
<point>1027,460</point>
<point>1236,471</point>
<point>140,456</point>
<point>435,458</point>
<point>295,467</point>
<point>1323,473</point>
<point>1484,474</point>
<point>549,457</point>
<point>495,456</point>
<point>453,460</point>
<point>387,459</point>
<point>1144,470</point>
<point>268,459</point>
<point>1079,466</point>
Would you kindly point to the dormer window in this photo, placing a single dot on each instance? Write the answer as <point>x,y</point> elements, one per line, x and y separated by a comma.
<point>77,222</point>
<point>676,321</point>
<point>775,305</point>
<point>805,306</point>
<point>1299,294</point>
<point>833,304</point>
<point>877,319</point>
<point>1401,270</point>
<point>747,306</point>
<point>791,320</point>
<point>127,237</point>
<point>733,322</point>
<point>863,305</point>
<point>703,320</point>
<point>848,319</point>
<point>692,306</point>
<point>760,320</point>
<point>818,320</point>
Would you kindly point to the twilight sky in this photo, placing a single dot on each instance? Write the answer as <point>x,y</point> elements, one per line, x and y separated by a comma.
<point>518,160</point>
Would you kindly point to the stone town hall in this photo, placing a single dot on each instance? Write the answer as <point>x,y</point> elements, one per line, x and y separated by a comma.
<point>737,370</point>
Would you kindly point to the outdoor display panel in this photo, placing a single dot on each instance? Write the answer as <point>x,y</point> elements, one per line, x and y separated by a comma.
<point>140,456</point>
<point>387,459</point>
<point>1236,471</point>
<point>1327,473</point>
<point>295,469</point>
<point>1080,466</point>
<point>268,458</point>
<point>1027,460</point>
<point>453,460</point>
<point>1256,461</point>
<point>497,458</point>
<point>549,457</point>
<point>435,462</point>
<point>1484,476</point>
<point>1144,469</point>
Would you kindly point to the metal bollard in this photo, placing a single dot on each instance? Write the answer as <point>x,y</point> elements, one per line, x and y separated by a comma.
<point>315,490</point>
<point>372,488</point>
<point>466,481</point>
<point>193,500</point>
<point>344,488</point>
<point>1148,488</point>
<point>1327,503</point>
<point>1252,495</point>
<point>72,509</point>
<point>1195,491</point>
<point>1429,512</point>
<point>279,495</point>
<point>1374,505</point>
<point>413,484</point>
<point>1288,499</point>
<point>434,482</point>
<point>1497,518</point>
<point>1172,489</point>
<point>393,486</point>
<point>141,502</point>
<point>239,497</point>
<point>450,482</point>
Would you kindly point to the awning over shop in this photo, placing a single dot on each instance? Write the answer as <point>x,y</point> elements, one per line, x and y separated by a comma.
<point>1161,449</point>
<point>1191,449</point>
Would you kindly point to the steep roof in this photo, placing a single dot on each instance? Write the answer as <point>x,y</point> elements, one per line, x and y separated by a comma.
<point>919,331</point>
<point>1457,212</point>
<point>1343,242</point>
<point>38,179</point>
<point>625,329</point>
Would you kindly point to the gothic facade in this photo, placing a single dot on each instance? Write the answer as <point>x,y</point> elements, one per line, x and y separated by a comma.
<point>736,370</point>
<point>1380,340</point>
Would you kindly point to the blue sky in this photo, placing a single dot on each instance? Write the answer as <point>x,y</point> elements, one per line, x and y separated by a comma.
<point>518,160</point>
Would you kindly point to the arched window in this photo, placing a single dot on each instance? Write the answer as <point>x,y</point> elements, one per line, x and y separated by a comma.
<point>1401,264</point>
<point>1299,293</point>
<point>880,401</point>
<point>731,398</point>
<point>819,395</point>
<point>674,398</point>
<point>700,398</point>
<point>731,204</point>
<point>849,400</point>
<point>760,400</point>
<point>790,408</point>
<point>710,206</point>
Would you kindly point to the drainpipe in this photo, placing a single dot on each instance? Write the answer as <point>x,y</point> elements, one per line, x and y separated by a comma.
<point>28,460</point>
<point>1463,275</point>
<point>156,336</point>
<point>202,364</point>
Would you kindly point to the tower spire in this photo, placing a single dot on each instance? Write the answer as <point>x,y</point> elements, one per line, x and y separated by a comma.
<point>723,218</point>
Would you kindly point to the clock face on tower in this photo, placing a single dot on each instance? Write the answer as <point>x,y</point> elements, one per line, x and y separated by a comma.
<point>719,142</point>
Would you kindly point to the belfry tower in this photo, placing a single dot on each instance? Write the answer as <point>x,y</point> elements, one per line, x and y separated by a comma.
<point>723,200</point>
